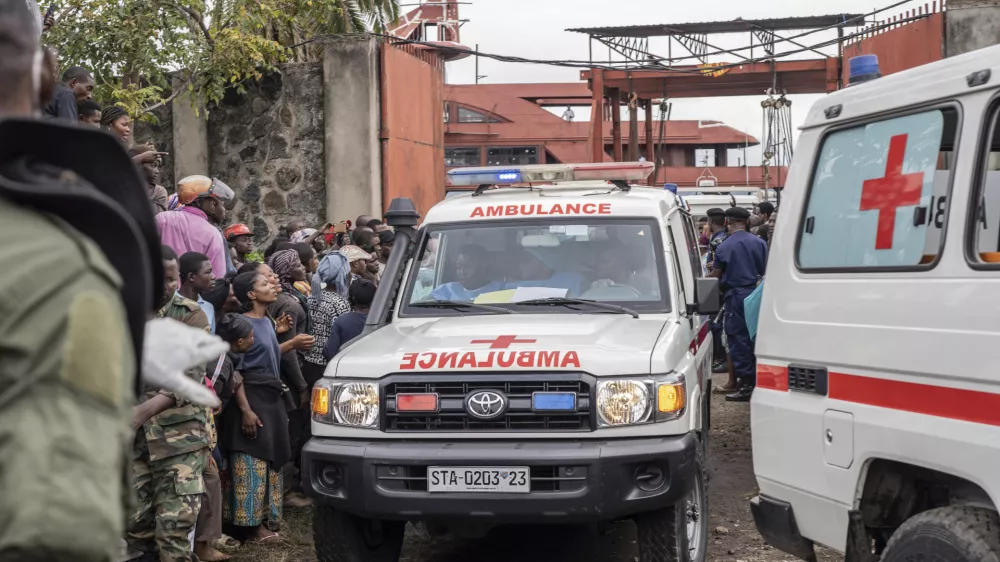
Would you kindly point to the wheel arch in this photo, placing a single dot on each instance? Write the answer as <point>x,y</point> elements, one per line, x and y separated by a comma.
<point>892,491</point>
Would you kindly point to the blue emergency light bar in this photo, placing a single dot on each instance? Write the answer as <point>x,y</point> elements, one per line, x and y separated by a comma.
<point>483,176</point>
<point>550,173</point>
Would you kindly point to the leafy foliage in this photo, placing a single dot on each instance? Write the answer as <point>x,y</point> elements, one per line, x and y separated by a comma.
<point>139,50</point>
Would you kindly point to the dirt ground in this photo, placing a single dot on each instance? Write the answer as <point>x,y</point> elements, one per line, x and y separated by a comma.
<point>733,537</point>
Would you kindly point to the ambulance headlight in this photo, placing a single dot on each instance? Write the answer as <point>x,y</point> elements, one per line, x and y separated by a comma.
<point>622,402</point>
<point>354,404</point>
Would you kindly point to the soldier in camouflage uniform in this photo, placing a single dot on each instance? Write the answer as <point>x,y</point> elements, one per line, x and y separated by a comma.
<point>170,452</point>
<point>75,291</point>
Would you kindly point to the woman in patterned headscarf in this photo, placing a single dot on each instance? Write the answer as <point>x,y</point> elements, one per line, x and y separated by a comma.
<point>325,306</point>
<point>292,309</point>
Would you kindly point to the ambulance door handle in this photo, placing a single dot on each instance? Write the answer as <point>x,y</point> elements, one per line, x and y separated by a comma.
<point>919,216</point>
<point>810,224</point>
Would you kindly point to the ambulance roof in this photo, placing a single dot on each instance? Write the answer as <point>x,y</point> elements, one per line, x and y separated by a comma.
<point>583,199</point>
<point>938,80</point>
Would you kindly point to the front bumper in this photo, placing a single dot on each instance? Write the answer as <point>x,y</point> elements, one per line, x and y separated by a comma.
<point>571,481</point>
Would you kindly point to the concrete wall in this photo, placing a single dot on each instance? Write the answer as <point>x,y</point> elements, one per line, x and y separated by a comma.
<point>971,25</point>
<point>268,146</point>
<point>304,143</point>
<point>353,155</point>
<point>190,129</point>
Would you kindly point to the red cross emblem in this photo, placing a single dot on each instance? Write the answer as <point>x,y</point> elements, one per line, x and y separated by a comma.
<point>889,193</point>
<point>502,342</point>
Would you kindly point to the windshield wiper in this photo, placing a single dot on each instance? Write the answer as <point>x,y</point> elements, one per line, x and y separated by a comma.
<point>459,305</point>
<point>566,301</point>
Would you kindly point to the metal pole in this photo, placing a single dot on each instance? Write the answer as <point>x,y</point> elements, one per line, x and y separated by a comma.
<point>746,164</point>
<point>616,124</point>
<point>597,117</point>
<point>477,63</point>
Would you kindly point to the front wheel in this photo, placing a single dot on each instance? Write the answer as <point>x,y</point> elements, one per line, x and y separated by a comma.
<point>955,534</point>
<point>341,537</point>
<point>678,533</point>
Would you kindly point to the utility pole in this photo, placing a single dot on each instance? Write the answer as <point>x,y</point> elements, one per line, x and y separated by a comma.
<point>478,76</point>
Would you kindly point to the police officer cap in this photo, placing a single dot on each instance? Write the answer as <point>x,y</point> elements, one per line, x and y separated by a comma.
<point>715,212</point>
<point>738,213</point>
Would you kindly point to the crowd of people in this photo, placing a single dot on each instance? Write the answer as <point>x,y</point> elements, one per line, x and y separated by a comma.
<point>206,480</point>
<point>284,317</point>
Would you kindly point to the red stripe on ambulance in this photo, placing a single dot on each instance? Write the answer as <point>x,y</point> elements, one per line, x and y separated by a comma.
<point>939,401</point>
<point>542,210</point>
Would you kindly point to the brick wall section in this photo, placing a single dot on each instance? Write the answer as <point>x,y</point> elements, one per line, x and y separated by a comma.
<point>268,146</point>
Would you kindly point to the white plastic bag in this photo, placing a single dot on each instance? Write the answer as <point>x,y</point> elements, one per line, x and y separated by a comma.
<point>169,349</point>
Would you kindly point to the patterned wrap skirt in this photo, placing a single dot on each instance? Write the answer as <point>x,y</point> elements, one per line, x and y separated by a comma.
<point>252,492</point>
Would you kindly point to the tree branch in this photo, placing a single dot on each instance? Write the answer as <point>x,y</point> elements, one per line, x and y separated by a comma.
<point>194,18</point>
<point>178,90</point>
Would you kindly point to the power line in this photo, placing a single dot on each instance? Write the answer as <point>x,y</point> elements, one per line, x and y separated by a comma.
<point>790,39</point>
<point>612,65</point>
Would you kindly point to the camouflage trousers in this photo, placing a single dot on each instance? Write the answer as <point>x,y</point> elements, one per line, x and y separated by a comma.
<point>168,498</point>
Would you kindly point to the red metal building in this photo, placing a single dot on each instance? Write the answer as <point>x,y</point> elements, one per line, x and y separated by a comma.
<point>508,124</point>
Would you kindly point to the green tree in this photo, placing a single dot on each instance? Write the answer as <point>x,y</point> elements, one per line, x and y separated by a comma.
<point>139,50</point>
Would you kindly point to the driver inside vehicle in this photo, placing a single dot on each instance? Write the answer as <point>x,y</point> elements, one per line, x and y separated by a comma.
<point>622,273</point>
<point>472,272</point>
<point>535,270</point>
<point>612,270</point>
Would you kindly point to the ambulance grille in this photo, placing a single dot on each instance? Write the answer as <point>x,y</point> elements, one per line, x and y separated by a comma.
<point>519,416</point>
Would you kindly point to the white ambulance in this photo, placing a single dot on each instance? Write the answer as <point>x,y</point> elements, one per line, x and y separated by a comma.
<point>534,354</point>
<point>876,418</point>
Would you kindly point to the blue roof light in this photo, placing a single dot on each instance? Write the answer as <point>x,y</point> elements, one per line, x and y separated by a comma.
<point>863,68</point>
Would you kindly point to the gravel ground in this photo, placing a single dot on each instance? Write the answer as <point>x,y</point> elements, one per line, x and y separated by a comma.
<point>733,535</point>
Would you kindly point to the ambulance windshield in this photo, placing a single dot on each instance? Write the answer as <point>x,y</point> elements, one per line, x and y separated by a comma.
<point>616,261</point>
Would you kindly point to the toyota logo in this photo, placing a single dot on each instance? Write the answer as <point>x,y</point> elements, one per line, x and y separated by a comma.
<point>486,404</point>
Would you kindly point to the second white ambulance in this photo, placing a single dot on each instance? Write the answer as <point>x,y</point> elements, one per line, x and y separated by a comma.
<point>876,419</point>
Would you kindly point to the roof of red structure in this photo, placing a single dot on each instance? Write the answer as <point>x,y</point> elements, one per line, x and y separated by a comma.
<point>527,120</point>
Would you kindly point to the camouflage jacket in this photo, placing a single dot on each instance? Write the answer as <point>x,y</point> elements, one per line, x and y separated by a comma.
<point>183,428</point>
<point>66,375</point>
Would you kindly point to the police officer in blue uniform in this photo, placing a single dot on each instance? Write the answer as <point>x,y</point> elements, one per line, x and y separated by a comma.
<point>739,264</point>
<point>717,224</point>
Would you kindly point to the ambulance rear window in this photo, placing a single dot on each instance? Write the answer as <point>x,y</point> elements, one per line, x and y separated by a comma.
<point>879,192</point>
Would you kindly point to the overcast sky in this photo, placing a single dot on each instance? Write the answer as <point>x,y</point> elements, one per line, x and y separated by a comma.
<point>536,29</point>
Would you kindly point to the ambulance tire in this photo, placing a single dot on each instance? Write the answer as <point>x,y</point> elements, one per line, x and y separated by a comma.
<point>341,537</point>
<point>956,534</point>
<point>663,534</point>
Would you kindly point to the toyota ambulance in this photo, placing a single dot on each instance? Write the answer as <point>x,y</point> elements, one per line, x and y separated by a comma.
<point>536,353</point>
<point>876,418</point>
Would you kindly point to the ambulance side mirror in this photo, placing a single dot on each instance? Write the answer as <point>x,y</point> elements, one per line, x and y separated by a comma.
<point>708,297</point>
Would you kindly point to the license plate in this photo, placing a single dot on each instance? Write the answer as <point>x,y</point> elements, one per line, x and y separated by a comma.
<point>501,479</point>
